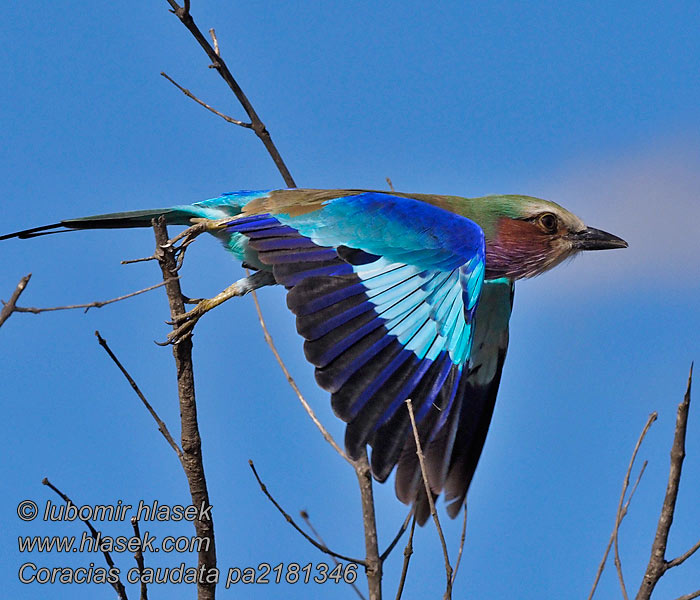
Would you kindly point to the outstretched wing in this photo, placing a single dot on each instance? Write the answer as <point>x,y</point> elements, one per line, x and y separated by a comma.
<point>453,454</point>
<point>385,291</point>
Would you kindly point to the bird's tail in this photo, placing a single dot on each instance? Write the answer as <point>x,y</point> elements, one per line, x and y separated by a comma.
<point>136,218</point>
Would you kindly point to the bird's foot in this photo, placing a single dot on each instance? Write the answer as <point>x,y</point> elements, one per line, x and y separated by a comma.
<point>184,323</point>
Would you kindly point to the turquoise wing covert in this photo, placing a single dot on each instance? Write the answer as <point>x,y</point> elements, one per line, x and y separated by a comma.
<point>385,290</point>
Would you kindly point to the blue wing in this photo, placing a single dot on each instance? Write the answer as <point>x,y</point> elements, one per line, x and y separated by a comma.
<point>385,290</point>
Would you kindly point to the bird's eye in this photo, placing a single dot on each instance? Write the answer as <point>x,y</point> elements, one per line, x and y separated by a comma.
<point>548,222</point>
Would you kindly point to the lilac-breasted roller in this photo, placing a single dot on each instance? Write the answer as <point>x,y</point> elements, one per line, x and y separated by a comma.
<point>397,296</point>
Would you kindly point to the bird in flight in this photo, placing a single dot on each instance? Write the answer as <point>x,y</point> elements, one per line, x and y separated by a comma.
<point>397,296</point>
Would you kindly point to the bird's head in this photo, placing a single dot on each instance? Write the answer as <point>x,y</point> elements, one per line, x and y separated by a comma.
<point>528,236</point>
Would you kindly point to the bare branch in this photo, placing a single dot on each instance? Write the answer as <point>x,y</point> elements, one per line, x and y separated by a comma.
<point>658,565</point>
<point>622,510</point>
<point>307,407</point>
<point>305,515</point>
<point>397,537</point>
<point>462,538</point>
<point>291,521</point>
<point>88,305</point>
<point>117,585</point>
<point>433,512</point>
<point>690,596</point>
<point>10,306</point>
<point>205,105</point>
<point>191,442</point>
<point>138,557</point>
<point>183,13</point>
<point>618,519</point>
<point>212,33</point>
<point>683,557</point>
<point>373,563</point>
<point>391,185</point>
<point>407,552</point>
<point>162,427</point>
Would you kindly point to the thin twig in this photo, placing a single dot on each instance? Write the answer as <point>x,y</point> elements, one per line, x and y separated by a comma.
<point>305,515</point>
<point>11,305</point>
<point>183,13</point>
<point>138,557</point>
<point>383,556</point>
<point>689,596</point>
<point>391,185</point>
<point>205,105</point>
<point>658,565</point>
<point>307,407</point>
<point>162,427</point>
<point>373,562</point>
<point>191,442</point>
<point>618,519</point>
<point>291,521</point>
<point>431,503</point>
<point>622,507</point>
<point>407,552</point>
<point>212,33</point>
<point>117,585</point>
<point>462,538</point>
<point>89,305</point>
<point>683,557</point>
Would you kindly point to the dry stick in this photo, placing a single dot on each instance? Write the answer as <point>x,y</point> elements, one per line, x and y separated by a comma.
<point>689,596</point>
<point>138,557</point>
<point>658,564</point>
<point>601,566</point>
<point>117,585</point>
<point>622,508</point>
<point>205,105</point>
<point>183,13</point>
<point>212,33</point>
<point>618,519</point>
<point>398,536</point>
<point>87,306</point>
<point>407,552</point>
<point>462,539</point>
<point>683,557</point>
<point>291,521</point>
<point>391,185</point>
<point>293,384</point>
<point>10,306</point>
<point>162,427</point>
<point>431,503</point>
<point>191,442</point>
<point>373,562</point>
<point>305,515</point>
<point>361,466</point>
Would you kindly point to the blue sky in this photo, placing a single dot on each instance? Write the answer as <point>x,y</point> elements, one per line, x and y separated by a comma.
<point>594,106</point>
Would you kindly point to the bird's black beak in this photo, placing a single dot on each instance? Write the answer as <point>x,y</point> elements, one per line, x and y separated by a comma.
<point>595,239</point>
